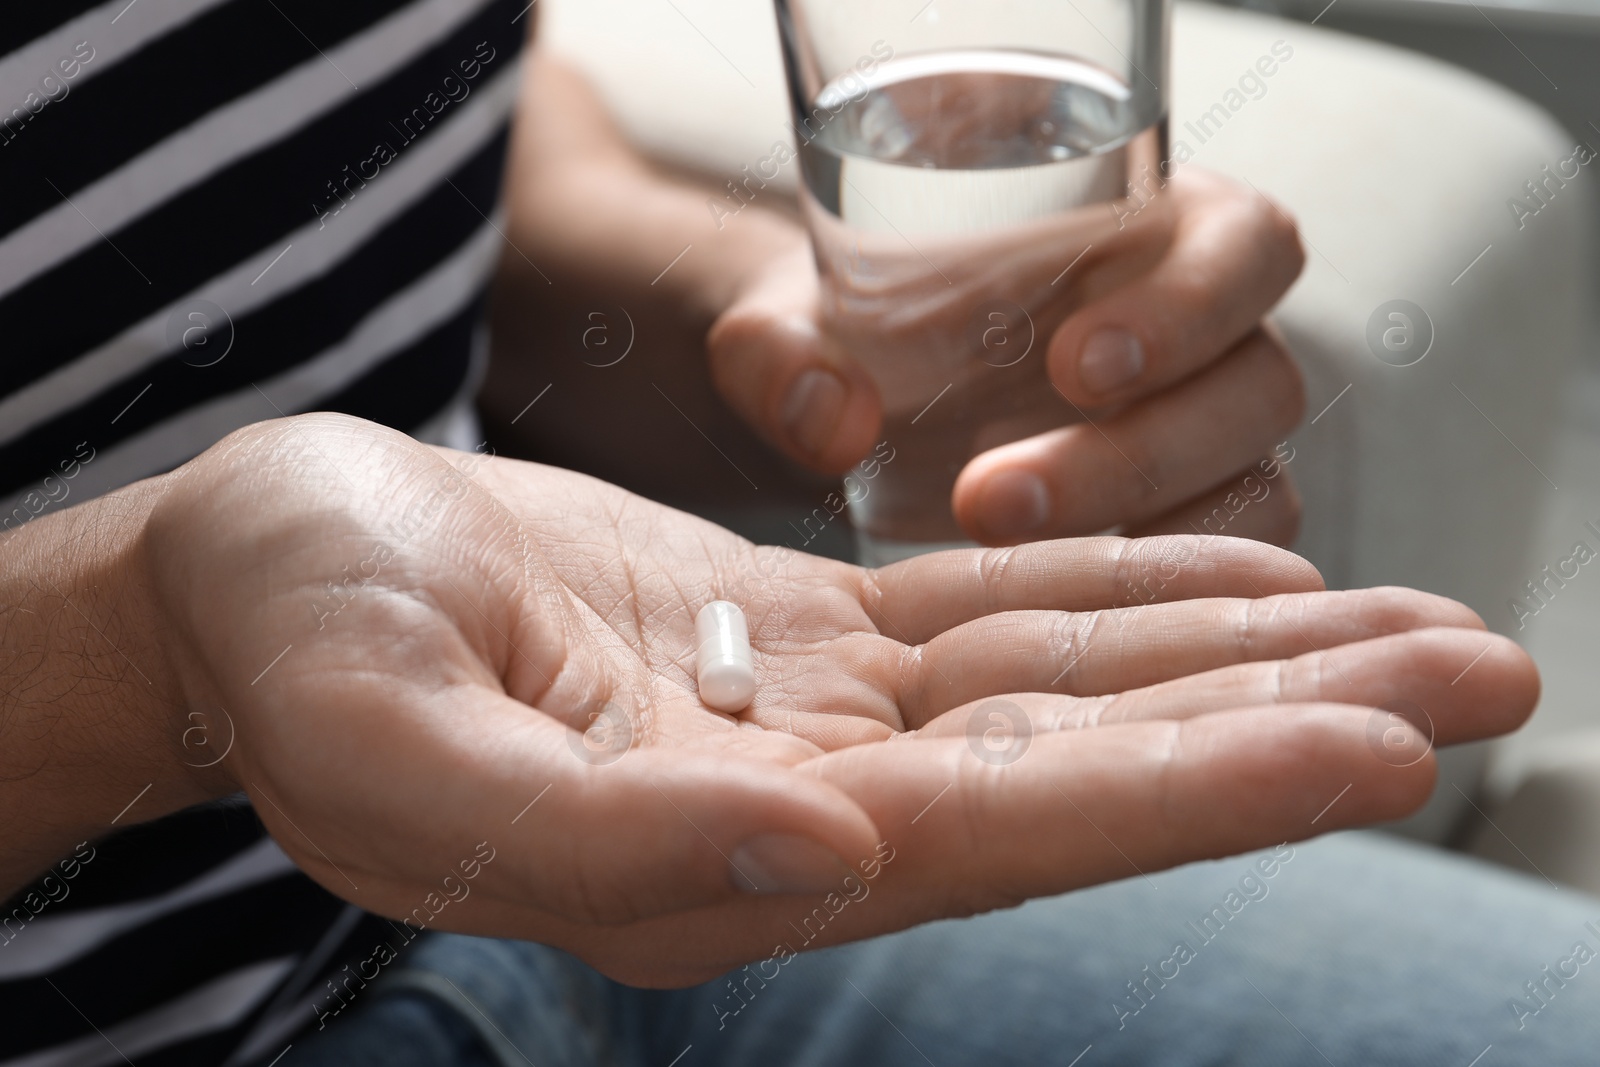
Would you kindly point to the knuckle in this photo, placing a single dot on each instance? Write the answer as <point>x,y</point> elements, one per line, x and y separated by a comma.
<point>1138,489</point>
<point>726,346</point>
<point>912,669</point>
<point>737,326</point>
<point>992,567</point>
<point>1292,401</point>
<point>1211,190</point>
<point>1268,218</point>
<point>1281,226</point>
<point>1294,250</point>
<point>1195,292</point>
<point>1065,639</point>
<point>1269,226</point>
<point>1292,503</point>
<point>1146,567</point>
<point>1127,563</point>
<point>745,339</point>
<point>1285,528</point>
<point>1111,473</point>
<point>1240,199</point>
<point>1279,233</point>
<point>1245,634</point>
<point>1281,382</point>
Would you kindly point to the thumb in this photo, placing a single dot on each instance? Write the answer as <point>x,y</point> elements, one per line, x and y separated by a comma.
<point>772,363</point>
<point>625,833</point>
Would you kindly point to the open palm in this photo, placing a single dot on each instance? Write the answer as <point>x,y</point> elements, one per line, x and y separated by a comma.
<point>514,668</point>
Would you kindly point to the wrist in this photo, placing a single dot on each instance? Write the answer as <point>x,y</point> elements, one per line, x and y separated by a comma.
<point>90,708</point>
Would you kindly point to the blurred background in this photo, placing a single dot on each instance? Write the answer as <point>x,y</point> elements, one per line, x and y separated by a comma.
<point>1547,51</point>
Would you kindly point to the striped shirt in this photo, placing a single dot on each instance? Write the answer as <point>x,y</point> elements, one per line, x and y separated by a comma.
<point>214,212</point>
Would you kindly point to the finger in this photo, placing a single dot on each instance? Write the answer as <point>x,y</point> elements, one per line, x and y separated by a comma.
<point>1421,675</point>
<point>1466,684</point>
<point>1080,808</point>
<point>1246,505</point>
<point>1105,652</point>
<point>600,830</point>
<point>1143,461</point>
<point>1233,255</point>
<point>658,831</point>
<point>917,599</point>
<point>963,836</point>
<point>773,365</point>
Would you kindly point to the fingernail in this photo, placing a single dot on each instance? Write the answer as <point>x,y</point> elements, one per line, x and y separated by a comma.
<point>785,863</point>
<point>1014,504</point>
<point>812,410</point>
<point>1110,360</point>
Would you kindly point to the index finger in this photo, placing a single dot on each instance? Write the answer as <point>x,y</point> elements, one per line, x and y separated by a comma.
<point>917,599</point>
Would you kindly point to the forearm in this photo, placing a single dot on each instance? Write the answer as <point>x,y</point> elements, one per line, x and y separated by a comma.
<point>89,706</point>
<point>583,204</point>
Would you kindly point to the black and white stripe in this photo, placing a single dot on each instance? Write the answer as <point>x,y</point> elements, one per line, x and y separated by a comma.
<point>188,166</point>
<point>175,238</point>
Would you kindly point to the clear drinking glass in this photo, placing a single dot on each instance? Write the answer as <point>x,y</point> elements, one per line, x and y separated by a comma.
<point>958,162</point>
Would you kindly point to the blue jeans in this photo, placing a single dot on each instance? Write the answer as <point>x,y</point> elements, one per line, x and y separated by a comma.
<point>1357,950</point>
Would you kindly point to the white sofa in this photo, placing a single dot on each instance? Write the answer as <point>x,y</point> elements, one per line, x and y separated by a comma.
<point>1399,170</point>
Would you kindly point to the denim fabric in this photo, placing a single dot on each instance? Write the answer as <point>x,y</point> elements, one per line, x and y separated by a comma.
<point>1358,950</point>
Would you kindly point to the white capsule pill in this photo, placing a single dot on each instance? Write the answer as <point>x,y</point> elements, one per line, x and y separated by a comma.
<point>726,672</point>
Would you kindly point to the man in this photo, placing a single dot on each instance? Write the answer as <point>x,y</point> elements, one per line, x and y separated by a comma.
<point>453,688</point>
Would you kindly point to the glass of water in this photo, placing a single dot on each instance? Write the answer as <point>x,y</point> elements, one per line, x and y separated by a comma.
<point>965,163</point>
